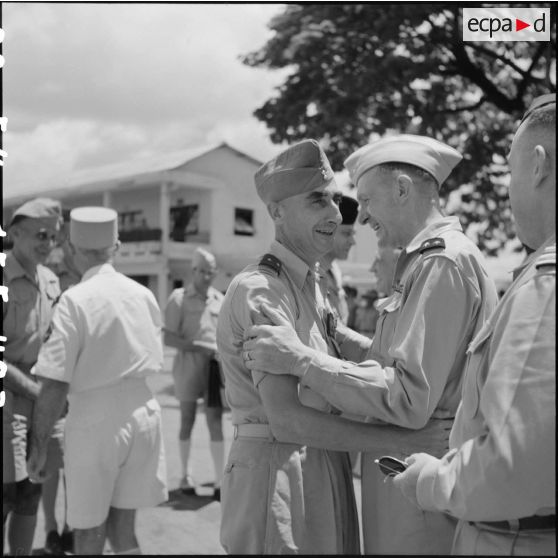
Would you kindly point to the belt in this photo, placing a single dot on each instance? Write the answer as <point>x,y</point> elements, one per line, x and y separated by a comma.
<point>533,523</point>
<point>253,430</point>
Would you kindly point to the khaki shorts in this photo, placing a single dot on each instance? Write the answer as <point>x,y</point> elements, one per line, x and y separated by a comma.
<point>114,454</point>
<point>190,375</point>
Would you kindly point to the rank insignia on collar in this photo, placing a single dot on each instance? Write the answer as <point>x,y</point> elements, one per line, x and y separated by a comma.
<point>271,262</point>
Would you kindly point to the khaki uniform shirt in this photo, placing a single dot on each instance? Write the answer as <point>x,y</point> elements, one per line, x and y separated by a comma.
<point>28,312</point>
<point>277,497</point>
<point>442,298</point>
<point>193,317</point>
<point>502,462</point>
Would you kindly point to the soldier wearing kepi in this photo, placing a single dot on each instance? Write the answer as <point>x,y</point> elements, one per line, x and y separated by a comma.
<point>415,365</point>
<point>283,490</point>
<point>33,291</point>
<point>343,241</point>
<point>105,341</point>
<point>499,477</point>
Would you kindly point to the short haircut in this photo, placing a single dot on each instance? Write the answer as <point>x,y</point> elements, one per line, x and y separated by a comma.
<point>420,175</point>
<point>543,117</point>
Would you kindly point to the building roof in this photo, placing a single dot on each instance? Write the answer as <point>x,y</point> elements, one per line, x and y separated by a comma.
<point>114,175</point>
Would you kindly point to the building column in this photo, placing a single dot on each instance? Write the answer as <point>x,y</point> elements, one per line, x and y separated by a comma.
<point>162,288</point>
<point>107,198</point>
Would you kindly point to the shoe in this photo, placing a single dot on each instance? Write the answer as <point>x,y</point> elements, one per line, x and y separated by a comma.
<point>187,485</point>
<point>53,544</point>
<point>67,539</point>
<point>217,494</point>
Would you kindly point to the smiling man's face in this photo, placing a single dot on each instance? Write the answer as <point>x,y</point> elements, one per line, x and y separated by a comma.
<point>378,207</point>
<point>310,221</point>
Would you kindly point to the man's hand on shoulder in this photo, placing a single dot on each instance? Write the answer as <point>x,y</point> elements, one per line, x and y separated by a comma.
<point>275,348</point>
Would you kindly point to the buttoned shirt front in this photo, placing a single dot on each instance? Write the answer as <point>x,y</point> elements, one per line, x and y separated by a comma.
<point>28,311</point>
<point>295,293</point>
<point>501,465</point>
<point>442,298</point>
<point>105,329</point>
<point>194,318</point>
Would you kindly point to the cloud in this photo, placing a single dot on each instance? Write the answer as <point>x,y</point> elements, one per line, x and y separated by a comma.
<point>90,84</point>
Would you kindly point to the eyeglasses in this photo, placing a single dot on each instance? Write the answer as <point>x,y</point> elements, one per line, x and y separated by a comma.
<point>42,235</point>
<point>390,466</point>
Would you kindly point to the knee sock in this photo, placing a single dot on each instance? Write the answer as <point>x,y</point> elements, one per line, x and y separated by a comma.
<point>21,531</point>
<point>185,456</point>
<point>218,454</point>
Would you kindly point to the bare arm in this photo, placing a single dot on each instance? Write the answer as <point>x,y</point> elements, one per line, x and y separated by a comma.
<point>20,383</point>
<point>46,411</point>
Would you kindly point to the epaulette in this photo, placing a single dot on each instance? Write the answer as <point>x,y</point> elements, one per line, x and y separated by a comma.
<point>271,262</point>
<point>547,258</point>
<point>432,243</point>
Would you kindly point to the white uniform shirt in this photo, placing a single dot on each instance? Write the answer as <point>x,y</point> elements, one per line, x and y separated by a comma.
<point>105,329</point>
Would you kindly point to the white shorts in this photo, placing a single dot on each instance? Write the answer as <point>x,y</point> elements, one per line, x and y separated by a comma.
<point>114,455</point>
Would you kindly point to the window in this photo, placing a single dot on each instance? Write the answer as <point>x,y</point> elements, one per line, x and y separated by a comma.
<point>184,221</point>
<point>243,222</point>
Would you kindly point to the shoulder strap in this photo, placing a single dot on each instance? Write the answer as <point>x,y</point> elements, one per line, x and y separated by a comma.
<point>547,258</point>
<point>431,244</point>
<point>272,263</point>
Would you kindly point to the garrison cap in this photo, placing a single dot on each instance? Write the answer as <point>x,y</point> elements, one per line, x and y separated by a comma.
<point>39,208</point>
<point>539,102</point>
<point>348,207</point>
<point>428,154</point>
<point>93,228</point>
<point>303,167</point>
<point>201,255</point>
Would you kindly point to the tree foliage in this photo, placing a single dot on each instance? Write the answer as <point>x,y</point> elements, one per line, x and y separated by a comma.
<point>357,71</point>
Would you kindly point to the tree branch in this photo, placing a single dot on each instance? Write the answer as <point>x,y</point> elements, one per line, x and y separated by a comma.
<point>497,56</point>
<point>525,81</point>
<point>459,109</point>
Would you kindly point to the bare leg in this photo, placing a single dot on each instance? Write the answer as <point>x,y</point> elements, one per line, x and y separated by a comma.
<point>90,541</point>
<point>50,489</point>
<point>214,417</point>
<point>187,418</point>
<point>121,530</point>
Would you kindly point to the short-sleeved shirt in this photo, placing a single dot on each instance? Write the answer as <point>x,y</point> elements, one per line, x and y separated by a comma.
<point>502,461</point>
<point>28,312</point>
<point>194,318</point>
<point>105,329</point>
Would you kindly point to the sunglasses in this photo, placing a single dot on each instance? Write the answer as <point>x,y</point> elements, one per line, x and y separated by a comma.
<point>390,466</point>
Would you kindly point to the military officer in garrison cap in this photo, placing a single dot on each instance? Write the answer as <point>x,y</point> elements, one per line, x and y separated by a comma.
<point>499,477</point>
<point>411,373</point>
<point>33,291</point>
<point>343,241</point>
<point>287,486</point>
<point>105,341</point>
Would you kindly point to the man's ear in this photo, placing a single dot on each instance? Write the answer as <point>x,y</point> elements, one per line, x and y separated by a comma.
<point>402,188</point>
<point>276,211</point>
<point>541,164</point>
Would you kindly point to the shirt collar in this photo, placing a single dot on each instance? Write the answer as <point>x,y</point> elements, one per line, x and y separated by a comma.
<point>298,269</point>
<point>440,226</point>
<point>101,268</point>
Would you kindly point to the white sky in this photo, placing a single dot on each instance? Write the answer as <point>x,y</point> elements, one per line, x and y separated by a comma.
<point>91,84</point>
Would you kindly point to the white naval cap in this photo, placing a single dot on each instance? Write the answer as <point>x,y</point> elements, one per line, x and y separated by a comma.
<point>428,154</point>
<point>93,228</point>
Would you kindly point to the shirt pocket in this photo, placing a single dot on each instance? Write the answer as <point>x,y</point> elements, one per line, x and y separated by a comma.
<point>21,315</point>
<point>476,371</point>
